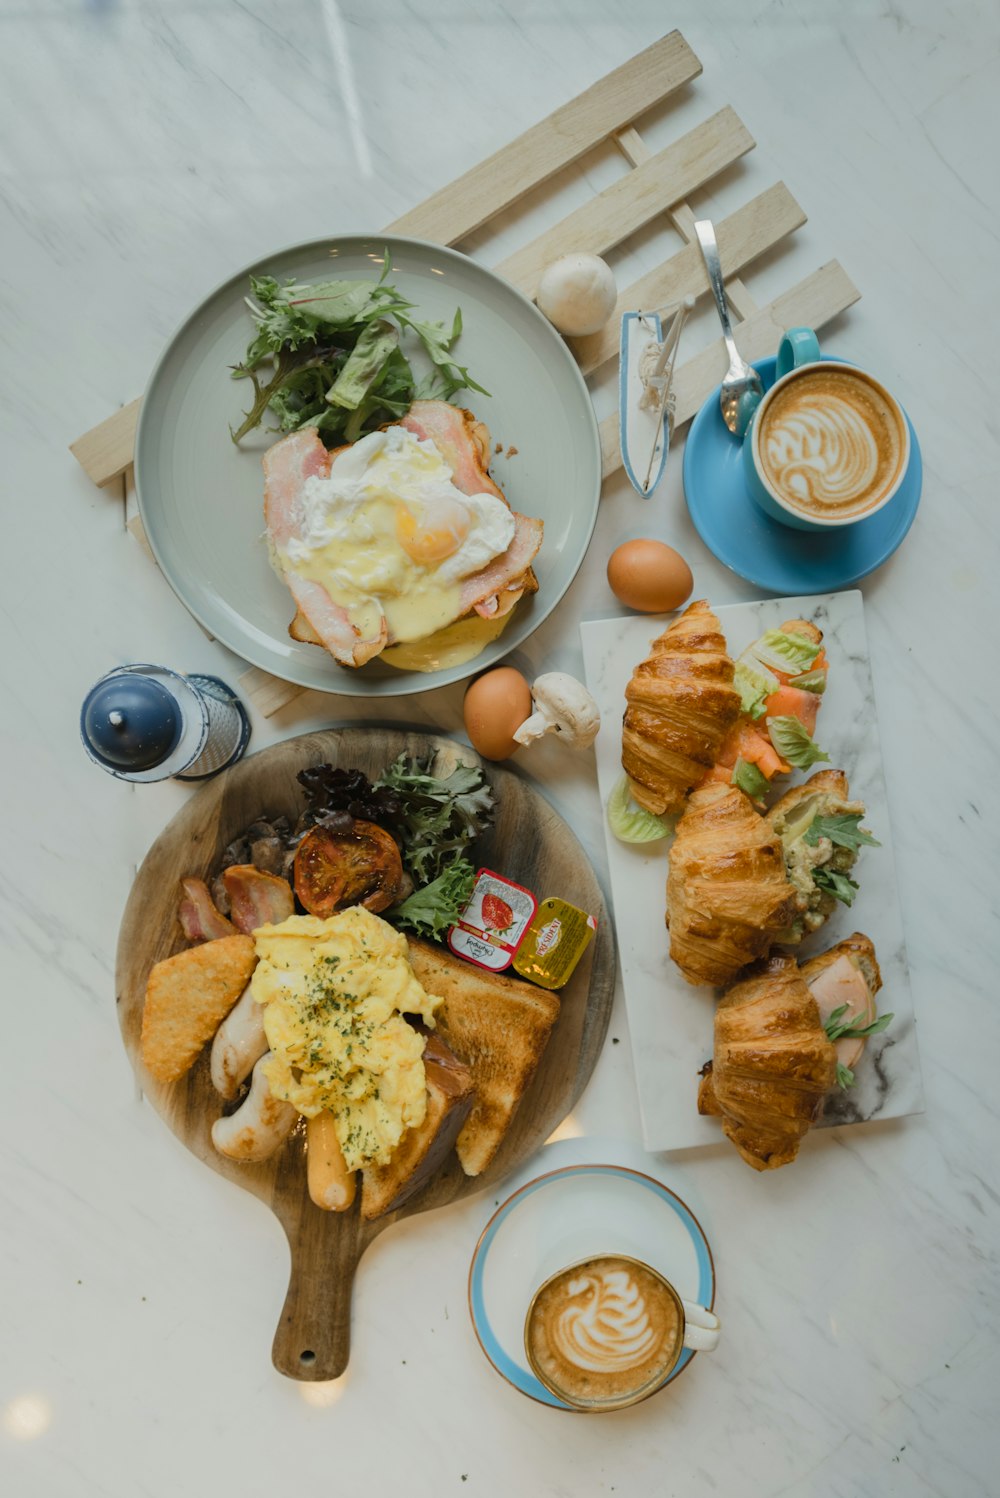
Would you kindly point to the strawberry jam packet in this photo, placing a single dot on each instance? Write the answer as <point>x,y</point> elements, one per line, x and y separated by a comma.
<point>492,925</point>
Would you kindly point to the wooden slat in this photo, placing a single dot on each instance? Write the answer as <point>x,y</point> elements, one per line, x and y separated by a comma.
<point>638,196</point>
<point>635,151</point>
<point>105,451</point>
<point>555,142</point>
<point>811,303</point>
<point>756,227</point>
<point>267,693</point>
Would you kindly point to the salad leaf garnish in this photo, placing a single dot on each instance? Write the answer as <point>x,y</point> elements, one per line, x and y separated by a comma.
<point>364,364</point>
<point>327,355</point>
<point>841,886</point>
<point>845,831</point>
<point>440,815</point>
<point>631,823</point>
<point>811,681</point>
<point>750,779</point>
<point>837,1027</point>
<point>753,688</point>
<point>845,1077</point>
<point>786,652</point>
<point>430,911</point>
<point>793,742</point>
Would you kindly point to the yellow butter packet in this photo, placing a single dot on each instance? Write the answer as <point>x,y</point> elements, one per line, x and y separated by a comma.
<point>554,942</point>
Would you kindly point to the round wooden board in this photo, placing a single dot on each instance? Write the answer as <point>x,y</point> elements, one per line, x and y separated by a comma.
<point>530,843</point>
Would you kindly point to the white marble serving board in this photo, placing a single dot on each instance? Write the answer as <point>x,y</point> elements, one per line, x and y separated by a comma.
<point>670,1022</point>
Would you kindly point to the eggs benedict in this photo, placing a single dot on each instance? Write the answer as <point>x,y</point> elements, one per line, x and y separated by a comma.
<point>397,537</point>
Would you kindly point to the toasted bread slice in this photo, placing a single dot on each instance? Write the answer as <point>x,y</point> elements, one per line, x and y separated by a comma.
<point>384,1188</point>
<point>499,1027</point>
<point>187,998</point>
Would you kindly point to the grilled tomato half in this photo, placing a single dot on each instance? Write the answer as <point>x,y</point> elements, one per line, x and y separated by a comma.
<point>358,866</point>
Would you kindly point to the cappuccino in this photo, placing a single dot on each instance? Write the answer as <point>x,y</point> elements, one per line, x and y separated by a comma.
<point>605,1332</point>
<point>831,444</point>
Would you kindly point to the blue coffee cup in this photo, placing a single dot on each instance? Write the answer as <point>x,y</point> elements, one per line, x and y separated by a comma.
<point>799,351</point>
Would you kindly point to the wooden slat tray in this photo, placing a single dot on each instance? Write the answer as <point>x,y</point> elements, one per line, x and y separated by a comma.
<point>656,184</point>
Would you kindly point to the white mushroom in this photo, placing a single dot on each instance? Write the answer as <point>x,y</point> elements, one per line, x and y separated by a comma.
<point>562,705</point>
<point>260,1124</point>
<point>577,293</point>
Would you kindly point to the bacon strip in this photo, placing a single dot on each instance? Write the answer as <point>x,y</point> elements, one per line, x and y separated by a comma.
<point>200,917</point>
<point>287,465</point>
<point>462,441</point>
<point>256,898</point>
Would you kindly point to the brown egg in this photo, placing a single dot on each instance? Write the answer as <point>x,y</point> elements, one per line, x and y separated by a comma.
<point>495,705</point>
<point>649,576</point>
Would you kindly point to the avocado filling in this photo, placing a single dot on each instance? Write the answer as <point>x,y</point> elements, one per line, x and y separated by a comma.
<point>820,837</point>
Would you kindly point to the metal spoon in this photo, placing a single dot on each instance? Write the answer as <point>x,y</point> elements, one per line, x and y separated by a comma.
<point>742,391</point>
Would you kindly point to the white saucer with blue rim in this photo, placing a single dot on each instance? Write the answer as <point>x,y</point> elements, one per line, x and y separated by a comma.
<point>572,1212</point>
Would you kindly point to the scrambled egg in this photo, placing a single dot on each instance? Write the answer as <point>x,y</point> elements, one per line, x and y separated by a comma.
<point>333,993</point>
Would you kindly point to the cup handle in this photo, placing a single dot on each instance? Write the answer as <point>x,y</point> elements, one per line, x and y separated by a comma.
<point>701,1328</point>
<point>797,346</point>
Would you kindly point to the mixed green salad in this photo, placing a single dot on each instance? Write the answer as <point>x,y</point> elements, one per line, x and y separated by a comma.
<point>328,354</point>
<point>434,820</point>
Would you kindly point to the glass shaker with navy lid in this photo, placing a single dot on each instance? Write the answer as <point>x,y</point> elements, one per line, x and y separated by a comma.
<point>144,723</point>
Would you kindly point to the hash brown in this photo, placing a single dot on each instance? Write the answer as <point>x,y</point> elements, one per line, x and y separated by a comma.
<point>187,998</point>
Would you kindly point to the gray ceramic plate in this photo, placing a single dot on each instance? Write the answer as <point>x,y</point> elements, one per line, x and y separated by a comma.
<point>201,498</point>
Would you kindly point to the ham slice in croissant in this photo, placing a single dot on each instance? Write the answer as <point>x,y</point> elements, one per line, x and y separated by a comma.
<point>681,705</point>
<point>728,896</point>
<point>773,1064</point>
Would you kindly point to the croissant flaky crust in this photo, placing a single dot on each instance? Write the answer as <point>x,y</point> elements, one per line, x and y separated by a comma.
<point>773,1064</point>
<point>728,895</point>
<point>681,704</point>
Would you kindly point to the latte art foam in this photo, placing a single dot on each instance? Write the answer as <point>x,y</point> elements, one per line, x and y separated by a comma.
<point>604,1332</point>
<point>604,1325</point>
<point>830,444</point>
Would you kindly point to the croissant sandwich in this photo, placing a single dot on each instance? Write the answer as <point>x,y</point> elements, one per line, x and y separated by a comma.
<point>774,1060</point>
<point>681,705</point>
<point>739,882</point>
<point>728,895</point>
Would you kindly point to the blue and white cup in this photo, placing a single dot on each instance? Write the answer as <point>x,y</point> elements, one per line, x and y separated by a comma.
<point>828,445</point>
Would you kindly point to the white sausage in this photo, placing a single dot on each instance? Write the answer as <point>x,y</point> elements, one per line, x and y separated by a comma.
<point>260,1124</point>
<point>239,1043</point>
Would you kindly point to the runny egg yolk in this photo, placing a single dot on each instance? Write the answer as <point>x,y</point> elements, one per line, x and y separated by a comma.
<point>433,533</point>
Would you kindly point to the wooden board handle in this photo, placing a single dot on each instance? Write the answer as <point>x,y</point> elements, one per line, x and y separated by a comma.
<point>312,1342</point>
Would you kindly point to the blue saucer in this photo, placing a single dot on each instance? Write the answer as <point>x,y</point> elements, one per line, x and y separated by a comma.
<point>766,553</point>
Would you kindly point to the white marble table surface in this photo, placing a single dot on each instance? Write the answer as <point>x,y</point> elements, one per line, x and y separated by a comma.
<point>145,150</point>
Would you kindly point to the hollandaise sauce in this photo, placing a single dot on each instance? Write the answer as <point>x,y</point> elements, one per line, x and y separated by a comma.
<point>334,992</point>
<point>451,646</point>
